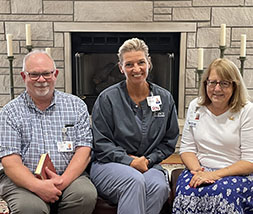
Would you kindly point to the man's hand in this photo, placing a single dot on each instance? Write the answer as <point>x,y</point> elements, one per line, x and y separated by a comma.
<point>57,179</point>
<point>47,189</point>
<point>139,163</point>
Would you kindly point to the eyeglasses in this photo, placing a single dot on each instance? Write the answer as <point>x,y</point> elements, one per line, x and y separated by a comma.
<point>36,76</point>
<point>223,84</point>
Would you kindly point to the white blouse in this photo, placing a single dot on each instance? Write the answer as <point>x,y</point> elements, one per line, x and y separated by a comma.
<point>218,141</point>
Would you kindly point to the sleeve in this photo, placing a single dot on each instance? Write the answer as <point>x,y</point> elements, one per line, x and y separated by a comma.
<point>187,141</point>
<point>167,145</point>
<point>10,137</point>
<point>83,129</point>
<point>246,130</point>
<point>102,126</point>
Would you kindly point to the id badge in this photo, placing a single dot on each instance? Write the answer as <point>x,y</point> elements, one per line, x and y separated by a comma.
<point>154,100</point>
<point>194,119</point>
<point>65,146</point>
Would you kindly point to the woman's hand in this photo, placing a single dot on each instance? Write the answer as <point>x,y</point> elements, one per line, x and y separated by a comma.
<point>139,163</point>
<point>202,177</point>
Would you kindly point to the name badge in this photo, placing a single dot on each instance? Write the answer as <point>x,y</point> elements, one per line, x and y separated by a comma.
<point>65,146</point>
<point>194,119</point>
<point>154,100</point>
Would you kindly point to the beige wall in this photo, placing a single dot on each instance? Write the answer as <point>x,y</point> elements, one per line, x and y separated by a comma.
<point>45,16</point>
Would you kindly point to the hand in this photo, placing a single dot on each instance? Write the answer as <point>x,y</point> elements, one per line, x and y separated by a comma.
<point>47,189</point>
<point>202,177</point>
<point>57,179</point>
<point>139,163</point>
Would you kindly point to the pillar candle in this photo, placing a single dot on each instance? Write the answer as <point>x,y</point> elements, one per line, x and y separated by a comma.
<point>200,59</point>
<point>9,45</point>
<point>48,50</point>
<point>28,34</point>
<point>243,46</point>
<point>223,35</point>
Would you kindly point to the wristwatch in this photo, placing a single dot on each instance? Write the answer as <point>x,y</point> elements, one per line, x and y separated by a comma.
<point>149,161</point>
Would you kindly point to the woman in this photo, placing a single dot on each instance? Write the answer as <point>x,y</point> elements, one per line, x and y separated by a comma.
<point>217,146</point>
<point>135,128</point>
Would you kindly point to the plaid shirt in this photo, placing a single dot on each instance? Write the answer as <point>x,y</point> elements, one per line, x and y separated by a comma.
<point>27,131</point>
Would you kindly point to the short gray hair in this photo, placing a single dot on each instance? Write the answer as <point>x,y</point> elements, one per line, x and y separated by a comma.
<point>36,51</point>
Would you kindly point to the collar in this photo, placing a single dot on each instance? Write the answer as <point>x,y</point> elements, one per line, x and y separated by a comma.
<point>31,104</point>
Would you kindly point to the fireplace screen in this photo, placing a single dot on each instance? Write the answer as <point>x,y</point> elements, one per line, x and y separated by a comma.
<point>95,62</point>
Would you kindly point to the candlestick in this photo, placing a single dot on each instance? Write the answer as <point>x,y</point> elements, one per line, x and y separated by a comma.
<point>29,48</point>
<point>242,60</point>
<point>28,34</point>
<point>243,46</point>
<point>199,72</point>
<point>9,45</point>
<point>48,51</point>
<point>200,59</point>
<point>222,50</point>
<point>11,58</point>
<point>223,35</point>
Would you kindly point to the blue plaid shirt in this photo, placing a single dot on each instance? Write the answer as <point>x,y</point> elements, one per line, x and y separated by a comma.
<point>29,132</point>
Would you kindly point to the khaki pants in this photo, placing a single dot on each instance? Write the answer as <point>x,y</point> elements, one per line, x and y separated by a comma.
<point>79,197</point>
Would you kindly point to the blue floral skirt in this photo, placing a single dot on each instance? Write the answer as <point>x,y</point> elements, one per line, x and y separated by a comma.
<point>232,194</point>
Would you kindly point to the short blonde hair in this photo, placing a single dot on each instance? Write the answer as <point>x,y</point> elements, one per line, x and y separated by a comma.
<point>226,70</point>
<point>133,44</point>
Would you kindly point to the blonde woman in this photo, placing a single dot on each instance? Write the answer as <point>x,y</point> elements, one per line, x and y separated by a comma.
<point>217,146</point>
<point>135,128</point>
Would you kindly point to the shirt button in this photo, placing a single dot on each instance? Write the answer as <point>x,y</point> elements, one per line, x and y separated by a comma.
<point>136,106</point>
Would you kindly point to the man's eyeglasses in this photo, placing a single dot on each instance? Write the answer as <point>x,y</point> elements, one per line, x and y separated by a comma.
<point>223,84</point>
<point>36,76</point>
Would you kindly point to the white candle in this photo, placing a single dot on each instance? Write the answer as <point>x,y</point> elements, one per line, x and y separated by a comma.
<point>9,45</point>
<point>48,50</point>
<point>28,34</point>
<point>243,46</point>
<point>200,59</point>
<point>223,35</point>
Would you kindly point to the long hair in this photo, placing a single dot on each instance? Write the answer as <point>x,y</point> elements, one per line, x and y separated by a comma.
<point>226,70</point>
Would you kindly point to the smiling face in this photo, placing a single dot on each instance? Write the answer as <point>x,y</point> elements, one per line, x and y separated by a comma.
<point>135,66</point>
<point>39,63</point>
<point>219,96</point>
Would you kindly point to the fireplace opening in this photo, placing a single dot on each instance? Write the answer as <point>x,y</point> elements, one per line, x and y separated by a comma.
<point>95,62</point>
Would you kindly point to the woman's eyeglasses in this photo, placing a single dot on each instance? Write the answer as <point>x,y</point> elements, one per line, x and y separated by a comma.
<point>223,84</point>
<point>36,76</point>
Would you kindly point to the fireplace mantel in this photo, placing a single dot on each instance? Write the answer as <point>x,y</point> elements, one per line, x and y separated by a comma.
<point>126,27</point>
<point>181,27</point>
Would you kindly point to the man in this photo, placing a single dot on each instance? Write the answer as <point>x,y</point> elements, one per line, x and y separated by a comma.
<point>44,120</point>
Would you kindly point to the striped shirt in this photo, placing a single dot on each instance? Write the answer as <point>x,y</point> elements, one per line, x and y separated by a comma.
<point>27,131</point>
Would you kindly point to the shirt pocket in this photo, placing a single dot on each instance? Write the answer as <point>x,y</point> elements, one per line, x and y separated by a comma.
<point>70,135</point>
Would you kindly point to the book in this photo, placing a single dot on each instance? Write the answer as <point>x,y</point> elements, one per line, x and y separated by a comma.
<point>44,162</point>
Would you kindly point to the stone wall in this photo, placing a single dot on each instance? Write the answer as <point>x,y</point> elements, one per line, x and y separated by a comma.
<point>44,15</point>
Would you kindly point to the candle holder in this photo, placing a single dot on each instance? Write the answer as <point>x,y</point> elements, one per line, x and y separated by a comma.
<point>242,59</point>
<point>11,58</point>
<point>29,48</point>
<point>222,50</point>
<point>199,72</point>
